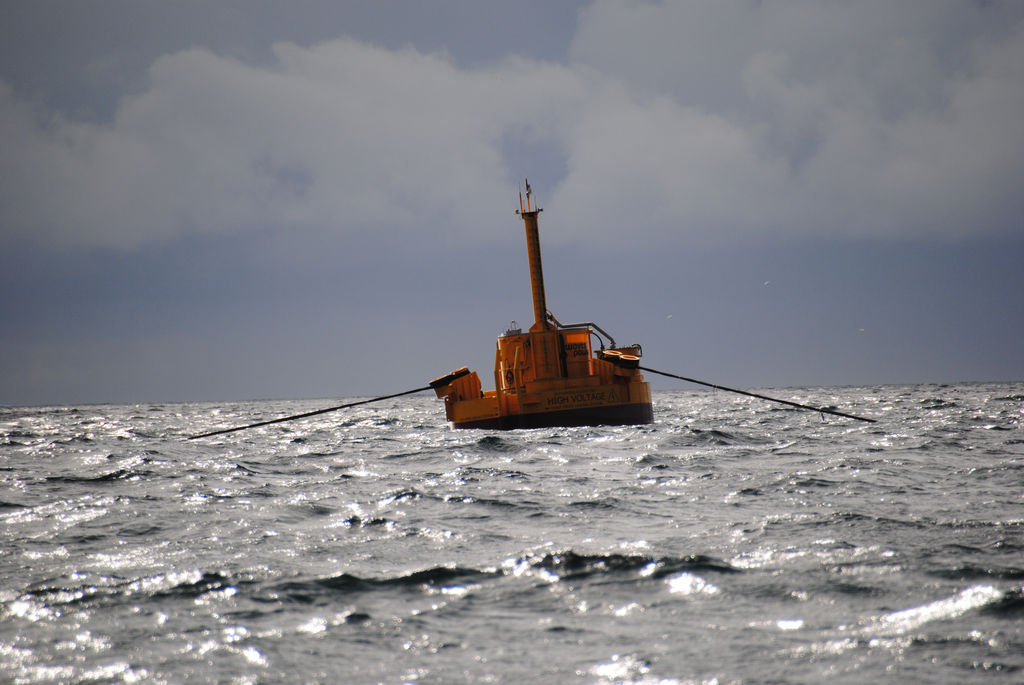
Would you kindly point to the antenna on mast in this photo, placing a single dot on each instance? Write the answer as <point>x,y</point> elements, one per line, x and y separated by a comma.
<point>529,194</point>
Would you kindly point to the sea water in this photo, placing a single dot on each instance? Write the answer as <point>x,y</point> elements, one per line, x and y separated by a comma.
<point>732,541</point>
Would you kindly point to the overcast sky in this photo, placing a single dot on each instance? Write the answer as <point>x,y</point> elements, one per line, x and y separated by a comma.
<point>242,199</point>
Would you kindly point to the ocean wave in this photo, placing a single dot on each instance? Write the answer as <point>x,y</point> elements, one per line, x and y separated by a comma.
<point>47,598</point>
<point>565,565</point>
<point>902,621</point>
<point>572,565</point>
<point>316,589</point>
<point>975,571</point>
<point>494,443</point>
<point>1010,605</point>
<point>111,476</point>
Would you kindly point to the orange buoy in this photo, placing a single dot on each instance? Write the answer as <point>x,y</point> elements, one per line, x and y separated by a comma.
<point>549,375</point>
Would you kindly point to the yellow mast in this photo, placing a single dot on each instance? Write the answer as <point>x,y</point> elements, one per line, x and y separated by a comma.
<point>540,307</point>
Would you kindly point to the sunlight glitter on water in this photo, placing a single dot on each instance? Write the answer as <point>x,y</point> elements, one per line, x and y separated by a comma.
<point>901,622</point>
<point>725,543</point>
<point>690,584</point>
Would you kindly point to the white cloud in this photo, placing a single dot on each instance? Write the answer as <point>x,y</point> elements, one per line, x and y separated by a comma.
<point>804,118</point>
<point>342,136</point>
<point>638,169</point>
<point>714,120</point>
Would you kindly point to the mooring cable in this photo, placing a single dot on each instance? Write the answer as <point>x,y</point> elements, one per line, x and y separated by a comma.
<point>762,397</point>
<point>307,414</point>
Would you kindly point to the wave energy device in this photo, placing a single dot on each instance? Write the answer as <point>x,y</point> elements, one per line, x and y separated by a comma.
<point>550,375</point>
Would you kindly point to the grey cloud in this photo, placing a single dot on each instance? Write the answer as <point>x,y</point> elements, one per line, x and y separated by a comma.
<point>719,121</point>
<point>855,119</point>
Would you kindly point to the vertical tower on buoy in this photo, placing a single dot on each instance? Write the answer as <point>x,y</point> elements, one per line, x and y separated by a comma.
<point>550,375</point>
<point>540,305</point>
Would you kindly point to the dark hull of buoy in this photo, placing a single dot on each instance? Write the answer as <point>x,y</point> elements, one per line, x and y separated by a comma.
<point>617,415</point>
